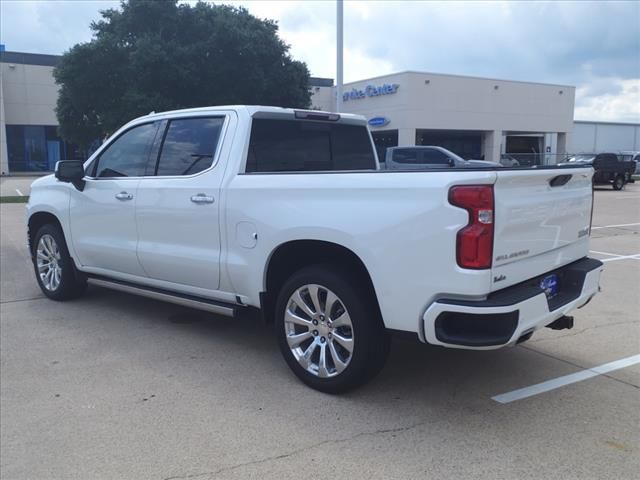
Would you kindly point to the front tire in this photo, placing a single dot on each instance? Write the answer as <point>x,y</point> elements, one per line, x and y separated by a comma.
<point>329,329</point>
<point>54,268</point>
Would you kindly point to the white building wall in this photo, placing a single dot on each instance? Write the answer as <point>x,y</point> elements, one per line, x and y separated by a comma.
<point>604,136</point>
<point>450,102</point>
<point>29,94</point>
<point>323,98</point>
<point>495,108</point>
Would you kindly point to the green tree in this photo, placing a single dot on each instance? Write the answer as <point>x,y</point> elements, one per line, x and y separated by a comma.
<point>155,55</point>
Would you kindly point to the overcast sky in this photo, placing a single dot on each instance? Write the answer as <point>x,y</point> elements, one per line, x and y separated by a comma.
<point>592,45</point>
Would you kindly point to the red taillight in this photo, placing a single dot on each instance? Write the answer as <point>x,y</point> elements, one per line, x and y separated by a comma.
<point>474,247</point>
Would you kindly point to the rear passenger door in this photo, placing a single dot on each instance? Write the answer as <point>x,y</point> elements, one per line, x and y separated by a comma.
<point>178,204</point>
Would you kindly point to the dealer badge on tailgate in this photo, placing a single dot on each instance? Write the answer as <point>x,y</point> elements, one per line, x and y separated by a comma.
<point>550,285</point>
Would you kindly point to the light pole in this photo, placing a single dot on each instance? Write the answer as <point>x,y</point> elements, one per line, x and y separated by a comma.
<point>339,80</point>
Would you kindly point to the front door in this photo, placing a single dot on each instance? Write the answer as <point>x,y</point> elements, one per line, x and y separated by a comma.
<point>178,208</point>
<point>102,216</point>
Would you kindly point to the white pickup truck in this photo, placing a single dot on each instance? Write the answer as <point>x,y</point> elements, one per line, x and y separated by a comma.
<point>285,212</point>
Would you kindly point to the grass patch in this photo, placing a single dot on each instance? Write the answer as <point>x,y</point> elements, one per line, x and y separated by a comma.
<point>14,199</point>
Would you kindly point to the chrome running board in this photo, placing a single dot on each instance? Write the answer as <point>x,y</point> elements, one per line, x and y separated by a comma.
<point>213,306</point>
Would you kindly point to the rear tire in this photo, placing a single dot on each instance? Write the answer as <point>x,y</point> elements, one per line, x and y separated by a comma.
<point>55,271</point>
<point>329,329</point>
<point>618,183</point>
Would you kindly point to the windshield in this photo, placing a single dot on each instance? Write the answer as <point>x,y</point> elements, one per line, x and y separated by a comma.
<point>581,158</point>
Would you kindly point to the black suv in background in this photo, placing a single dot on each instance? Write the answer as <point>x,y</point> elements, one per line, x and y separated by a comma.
<point>609,168</point>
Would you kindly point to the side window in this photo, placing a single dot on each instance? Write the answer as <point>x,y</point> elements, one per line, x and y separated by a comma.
<point>307,146</point>
<point>607,160</point>
<point>597,161</point>
<point>128,155</point>
<point>189,145</point>
<point>435,157</point>
<point>406,155</point>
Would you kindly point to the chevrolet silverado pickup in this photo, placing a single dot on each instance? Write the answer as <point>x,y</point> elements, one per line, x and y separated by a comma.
<point>286,213</point>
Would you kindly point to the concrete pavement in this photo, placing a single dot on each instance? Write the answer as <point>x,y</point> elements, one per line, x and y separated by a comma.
<point>115,386</point>
<point>16,186</point>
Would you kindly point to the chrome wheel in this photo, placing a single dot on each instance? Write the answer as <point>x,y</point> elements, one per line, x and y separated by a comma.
<point>48,262</point>
<point>318,330</point>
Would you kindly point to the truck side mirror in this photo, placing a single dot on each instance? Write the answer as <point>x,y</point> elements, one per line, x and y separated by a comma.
<point>71,171</point>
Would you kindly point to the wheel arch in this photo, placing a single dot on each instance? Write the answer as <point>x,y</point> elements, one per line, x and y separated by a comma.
<point>291,256</point>
<point>36,221</point>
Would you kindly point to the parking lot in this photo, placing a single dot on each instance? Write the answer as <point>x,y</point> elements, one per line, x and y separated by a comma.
<point>116,386</point>
<point>16,186</point>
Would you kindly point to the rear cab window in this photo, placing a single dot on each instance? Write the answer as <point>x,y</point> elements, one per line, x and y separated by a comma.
<point>291,145</point>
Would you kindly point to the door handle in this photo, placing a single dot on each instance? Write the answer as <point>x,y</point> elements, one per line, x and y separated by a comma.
<point>124,196</point>
<point>202,198</point>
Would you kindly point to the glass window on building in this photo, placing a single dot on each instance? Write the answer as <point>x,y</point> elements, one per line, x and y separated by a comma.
<point>37,148</point>
<point>526,149</point>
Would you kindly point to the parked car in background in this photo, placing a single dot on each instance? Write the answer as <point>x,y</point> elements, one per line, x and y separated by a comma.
<point>420,157</point>
<point>507,160</point>
<point>609,168</point>
<point>285,213</point>
<point>632,157</point>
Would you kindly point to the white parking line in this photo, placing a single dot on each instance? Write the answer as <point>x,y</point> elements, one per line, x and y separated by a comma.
<point>622,257</point>
<point>19,192</point>
<point>616,256</point>
<point>566,380</point>
<point>606,253</point>
<point>616,226</point>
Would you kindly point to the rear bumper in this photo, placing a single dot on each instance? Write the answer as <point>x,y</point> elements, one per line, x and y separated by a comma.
<point>507,315</point>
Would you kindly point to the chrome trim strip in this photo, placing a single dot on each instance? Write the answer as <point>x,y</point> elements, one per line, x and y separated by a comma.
<point>165,297</point>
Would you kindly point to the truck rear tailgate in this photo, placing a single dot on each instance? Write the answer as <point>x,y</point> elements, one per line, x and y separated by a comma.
<point>542,222</point>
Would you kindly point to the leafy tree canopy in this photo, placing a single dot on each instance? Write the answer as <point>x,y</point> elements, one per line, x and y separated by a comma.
<point>155,55</point>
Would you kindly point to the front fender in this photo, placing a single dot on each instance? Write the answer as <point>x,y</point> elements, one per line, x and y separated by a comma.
<point>53,197</point>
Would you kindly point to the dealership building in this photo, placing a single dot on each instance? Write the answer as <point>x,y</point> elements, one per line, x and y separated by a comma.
<point>29,140</point>
<point>474,117</point>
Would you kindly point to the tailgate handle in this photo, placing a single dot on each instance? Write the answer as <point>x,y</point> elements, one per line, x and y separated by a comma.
<point>559,180</point>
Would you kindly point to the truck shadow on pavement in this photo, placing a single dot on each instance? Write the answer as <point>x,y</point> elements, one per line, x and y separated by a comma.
<point>413,370</point>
